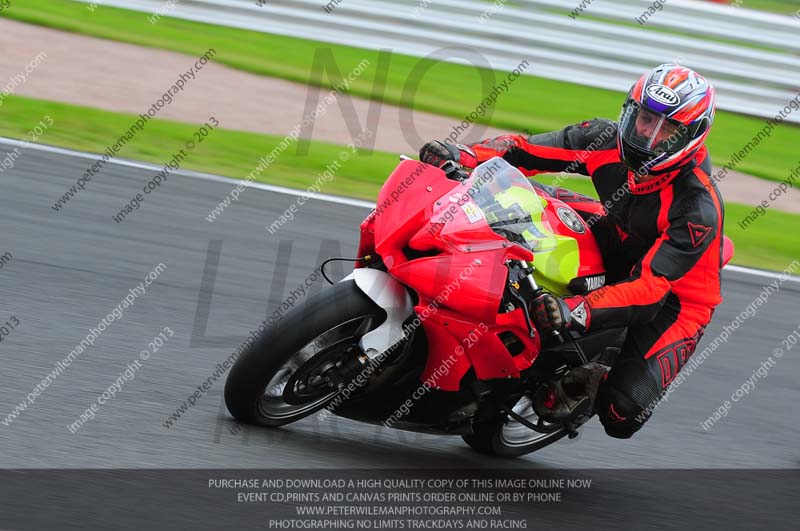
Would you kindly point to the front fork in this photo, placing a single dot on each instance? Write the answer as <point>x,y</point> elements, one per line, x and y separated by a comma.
<point>536,290</point>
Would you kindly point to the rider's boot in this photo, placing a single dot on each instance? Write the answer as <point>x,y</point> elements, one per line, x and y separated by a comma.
<point>571,399</point>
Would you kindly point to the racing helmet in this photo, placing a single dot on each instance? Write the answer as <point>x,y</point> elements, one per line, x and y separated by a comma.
<point>665,119</point>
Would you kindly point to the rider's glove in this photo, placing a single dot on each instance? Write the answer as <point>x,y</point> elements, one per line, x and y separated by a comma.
<point>437,153</point>
<point>552,313</point>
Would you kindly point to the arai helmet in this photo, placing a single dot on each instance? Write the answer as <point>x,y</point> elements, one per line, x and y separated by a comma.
<point>665,119</point>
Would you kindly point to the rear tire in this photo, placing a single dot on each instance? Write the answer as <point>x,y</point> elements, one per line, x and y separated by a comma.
<point>320,329</point>
<point>505,437</point>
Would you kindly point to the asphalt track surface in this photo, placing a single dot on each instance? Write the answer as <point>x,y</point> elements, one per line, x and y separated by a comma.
<point>73,267</point>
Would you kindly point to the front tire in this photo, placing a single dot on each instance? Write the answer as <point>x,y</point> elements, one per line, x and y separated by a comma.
<point>505,437</point>
<point>281,377</point>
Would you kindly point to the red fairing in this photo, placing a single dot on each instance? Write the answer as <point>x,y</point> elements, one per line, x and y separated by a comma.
<point>471,284</point>
<point>727,250</point>
<point>404,206</point>
<point>430,237</point>
<point>366,244</point>
<point>456,344</point>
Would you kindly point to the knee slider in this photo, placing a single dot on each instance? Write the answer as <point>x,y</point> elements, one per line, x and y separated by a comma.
<point>626,399</point>
<point>618,414</point>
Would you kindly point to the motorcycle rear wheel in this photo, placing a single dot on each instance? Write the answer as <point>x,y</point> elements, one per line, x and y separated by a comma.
<point>281,377</point>
<point>505,437</point>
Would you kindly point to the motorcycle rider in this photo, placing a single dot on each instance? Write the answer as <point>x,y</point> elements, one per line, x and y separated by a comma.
<point>659,227</point>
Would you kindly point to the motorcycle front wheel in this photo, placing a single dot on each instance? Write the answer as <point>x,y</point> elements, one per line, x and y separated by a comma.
<point>289,372</point>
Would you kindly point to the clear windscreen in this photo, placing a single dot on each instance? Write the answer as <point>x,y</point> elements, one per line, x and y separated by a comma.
<point>510,205</point>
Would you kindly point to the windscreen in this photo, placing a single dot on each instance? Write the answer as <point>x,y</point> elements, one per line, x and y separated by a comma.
<point>510,205</point>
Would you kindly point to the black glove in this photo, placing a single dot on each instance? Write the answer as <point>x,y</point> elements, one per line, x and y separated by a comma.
<point>552,313</point>
<point>437,153</point>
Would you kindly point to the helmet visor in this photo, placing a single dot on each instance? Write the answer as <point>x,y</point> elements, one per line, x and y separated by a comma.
<point>652,132</point>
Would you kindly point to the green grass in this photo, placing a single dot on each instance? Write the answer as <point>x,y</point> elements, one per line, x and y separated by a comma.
<point>785,7</point>
<point>771,242</point>
<point>532,103</point>
<point>225,152</point>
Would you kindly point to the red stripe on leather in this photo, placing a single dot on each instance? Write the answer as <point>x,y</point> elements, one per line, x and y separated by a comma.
<point>601,158</point>
<point>646,290</point>
<point>706,181</point>
<point>682,328</point>
<point>554,153</point>
<point>667,197</point>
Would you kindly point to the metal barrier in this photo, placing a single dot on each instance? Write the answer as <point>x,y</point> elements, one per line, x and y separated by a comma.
<point>750,80</point>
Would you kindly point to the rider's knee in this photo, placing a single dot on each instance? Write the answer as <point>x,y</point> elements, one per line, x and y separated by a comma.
<point>627,398</point>
<point>619,415</point>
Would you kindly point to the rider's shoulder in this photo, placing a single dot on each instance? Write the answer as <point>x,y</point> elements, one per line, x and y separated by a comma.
<point>696,179</point>
<point>692,197</point>
<point>595,134</point>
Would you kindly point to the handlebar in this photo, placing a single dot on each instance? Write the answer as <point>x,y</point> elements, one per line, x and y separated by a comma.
<point>453,171</point>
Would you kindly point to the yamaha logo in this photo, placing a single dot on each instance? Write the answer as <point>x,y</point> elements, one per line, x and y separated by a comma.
<point>593,283</point>
<point>663,94</point>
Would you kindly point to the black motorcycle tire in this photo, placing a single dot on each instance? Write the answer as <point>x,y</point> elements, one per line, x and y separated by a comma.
<point>491,438</point>
<point>300,327</point>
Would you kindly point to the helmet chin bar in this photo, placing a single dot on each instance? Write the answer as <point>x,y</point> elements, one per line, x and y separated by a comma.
<point>658,141</point>
<point>640,162</point>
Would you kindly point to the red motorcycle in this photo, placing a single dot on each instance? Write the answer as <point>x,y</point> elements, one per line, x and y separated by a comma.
<point>431,331</point>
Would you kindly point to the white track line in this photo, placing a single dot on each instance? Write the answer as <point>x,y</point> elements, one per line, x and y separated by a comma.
<point>186,173</point>
<point>760,273</point>
<point>284,190</point>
